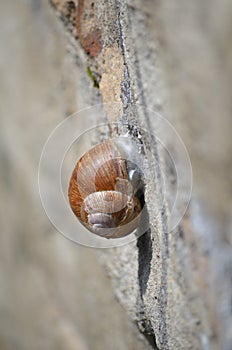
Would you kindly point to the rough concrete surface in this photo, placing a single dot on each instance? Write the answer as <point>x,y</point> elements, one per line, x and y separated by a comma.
<point>169,289</point>
<point>54,294</point>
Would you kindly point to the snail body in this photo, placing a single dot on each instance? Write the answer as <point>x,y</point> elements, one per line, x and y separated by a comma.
<point>103,190</point>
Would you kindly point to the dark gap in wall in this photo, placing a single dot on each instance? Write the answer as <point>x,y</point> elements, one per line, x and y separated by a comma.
<point>144,245</point>
<point>150,338</point>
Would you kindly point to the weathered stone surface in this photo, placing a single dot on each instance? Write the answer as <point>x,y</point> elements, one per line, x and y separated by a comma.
<point>54,294</point>
<point>177,60</point>
<point>173,57</point>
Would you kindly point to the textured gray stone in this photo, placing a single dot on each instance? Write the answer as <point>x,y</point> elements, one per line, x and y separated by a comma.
<point>54,294</point>
<point>175,57</point>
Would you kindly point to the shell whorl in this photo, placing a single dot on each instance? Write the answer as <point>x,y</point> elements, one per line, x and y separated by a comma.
<point>101,194</point>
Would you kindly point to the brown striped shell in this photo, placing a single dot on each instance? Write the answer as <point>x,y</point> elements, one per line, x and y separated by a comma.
<point>101,194</point>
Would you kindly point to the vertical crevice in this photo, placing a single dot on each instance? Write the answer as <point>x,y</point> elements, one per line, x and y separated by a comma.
<point>144,245</point>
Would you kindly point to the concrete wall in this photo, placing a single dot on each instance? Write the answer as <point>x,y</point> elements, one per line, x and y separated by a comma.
<point>169,289</point>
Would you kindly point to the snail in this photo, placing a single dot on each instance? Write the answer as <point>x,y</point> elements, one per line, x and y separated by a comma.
<point>106,189</point>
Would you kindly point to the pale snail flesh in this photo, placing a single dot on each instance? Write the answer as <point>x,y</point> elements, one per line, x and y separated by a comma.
<point>104,191</point>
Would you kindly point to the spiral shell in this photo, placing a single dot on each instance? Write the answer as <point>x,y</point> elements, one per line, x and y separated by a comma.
<point>103,191</point>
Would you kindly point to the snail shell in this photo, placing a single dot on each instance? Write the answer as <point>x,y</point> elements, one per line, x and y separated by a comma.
<point>103,191</point>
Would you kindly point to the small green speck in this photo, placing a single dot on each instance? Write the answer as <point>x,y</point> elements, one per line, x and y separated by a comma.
<point>93,78</point>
